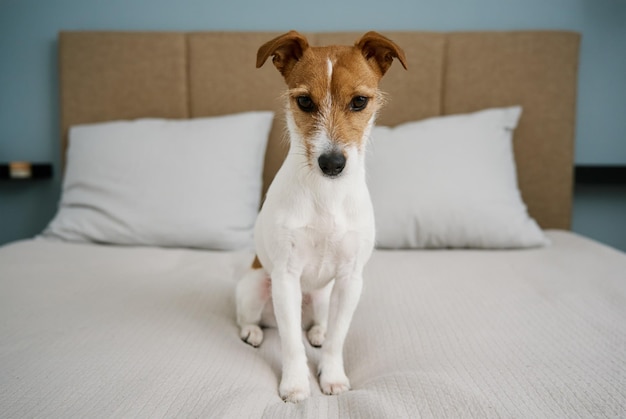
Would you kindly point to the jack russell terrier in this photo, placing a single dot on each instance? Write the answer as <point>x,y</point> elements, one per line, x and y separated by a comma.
<point>315,231</point>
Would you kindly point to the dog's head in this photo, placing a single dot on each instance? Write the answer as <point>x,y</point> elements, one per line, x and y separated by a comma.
<point>333,95</point>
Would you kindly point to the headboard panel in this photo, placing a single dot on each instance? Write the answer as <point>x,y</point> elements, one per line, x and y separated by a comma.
<point>224,79</point>
<point>121,75</point>
<point>537,70</point>
<point>125,75</point>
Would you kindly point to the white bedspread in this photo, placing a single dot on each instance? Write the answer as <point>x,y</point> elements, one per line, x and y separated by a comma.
<point>100,331</point>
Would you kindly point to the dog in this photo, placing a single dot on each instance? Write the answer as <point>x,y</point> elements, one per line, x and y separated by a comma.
<point>315,231</point>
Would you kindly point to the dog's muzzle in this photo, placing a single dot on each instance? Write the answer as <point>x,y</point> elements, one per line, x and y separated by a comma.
<point>332,164</point>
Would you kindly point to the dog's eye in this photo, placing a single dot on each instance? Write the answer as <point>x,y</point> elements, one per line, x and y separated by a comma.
<point>305,103</point>
<point>358,103</point>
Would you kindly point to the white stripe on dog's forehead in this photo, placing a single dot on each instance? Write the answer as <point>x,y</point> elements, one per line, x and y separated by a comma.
<point>328,101</point>
<point>329,70</point>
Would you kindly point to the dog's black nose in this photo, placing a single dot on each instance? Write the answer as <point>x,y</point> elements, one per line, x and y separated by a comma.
<point>332,163</point>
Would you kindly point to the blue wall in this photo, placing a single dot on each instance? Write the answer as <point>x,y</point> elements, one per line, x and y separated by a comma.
<point>29,93</point>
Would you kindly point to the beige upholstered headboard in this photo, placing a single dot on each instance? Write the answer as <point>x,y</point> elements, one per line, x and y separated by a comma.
<point>124,75</point>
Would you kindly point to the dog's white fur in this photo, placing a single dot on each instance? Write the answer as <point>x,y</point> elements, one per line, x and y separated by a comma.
<point>313,236</point>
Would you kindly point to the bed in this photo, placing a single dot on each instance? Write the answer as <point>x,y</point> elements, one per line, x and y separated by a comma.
<point>132,325</point>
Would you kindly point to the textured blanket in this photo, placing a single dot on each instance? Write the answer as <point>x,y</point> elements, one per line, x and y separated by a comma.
<point>102,331</point>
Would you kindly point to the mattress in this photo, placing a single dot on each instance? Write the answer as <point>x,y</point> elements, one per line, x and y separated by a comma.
<point>104,331</point>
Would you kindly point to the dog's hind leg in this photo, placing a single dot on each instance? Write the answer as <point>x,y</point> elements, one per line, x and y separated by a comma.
<point>253,292</point>
<point>319,305</point>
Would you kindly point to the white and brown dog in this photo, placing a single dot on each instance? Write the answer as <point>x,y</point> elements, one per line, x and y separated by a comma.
<point>315,231</point>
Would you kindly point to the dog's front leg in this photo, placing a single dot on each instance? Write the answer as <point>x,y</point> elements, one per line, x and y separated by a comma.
<point>343,301</point>
<point>287,297</point>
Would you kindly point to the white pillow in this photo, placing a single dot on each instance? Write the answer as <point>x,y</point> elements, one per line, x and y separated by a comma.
<point>178,183</point>
<point>449,182</point>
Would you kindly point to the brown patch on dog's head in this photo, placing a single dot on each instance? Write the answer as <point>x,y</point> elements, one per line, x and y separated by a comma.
<point>333,94</point>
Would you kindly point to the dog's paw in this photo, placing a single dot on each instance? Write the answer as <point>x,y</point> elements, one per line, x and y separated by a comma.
<point>252,334</point>
<point>316,335</point>
<point>295,388</point>
<point>333,389</point>
<point>334,383</point>
<point>295,395</point>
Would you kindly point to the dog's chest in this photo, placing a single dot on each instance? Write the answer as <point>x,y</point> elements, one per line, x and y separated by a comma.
<point>322,228</point>
<point>326,246</point>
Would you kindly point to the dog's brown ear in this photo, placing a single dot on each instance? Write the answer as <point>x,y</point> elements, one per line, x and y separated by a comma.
<point>286,50</point>
<point>381,50</point>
